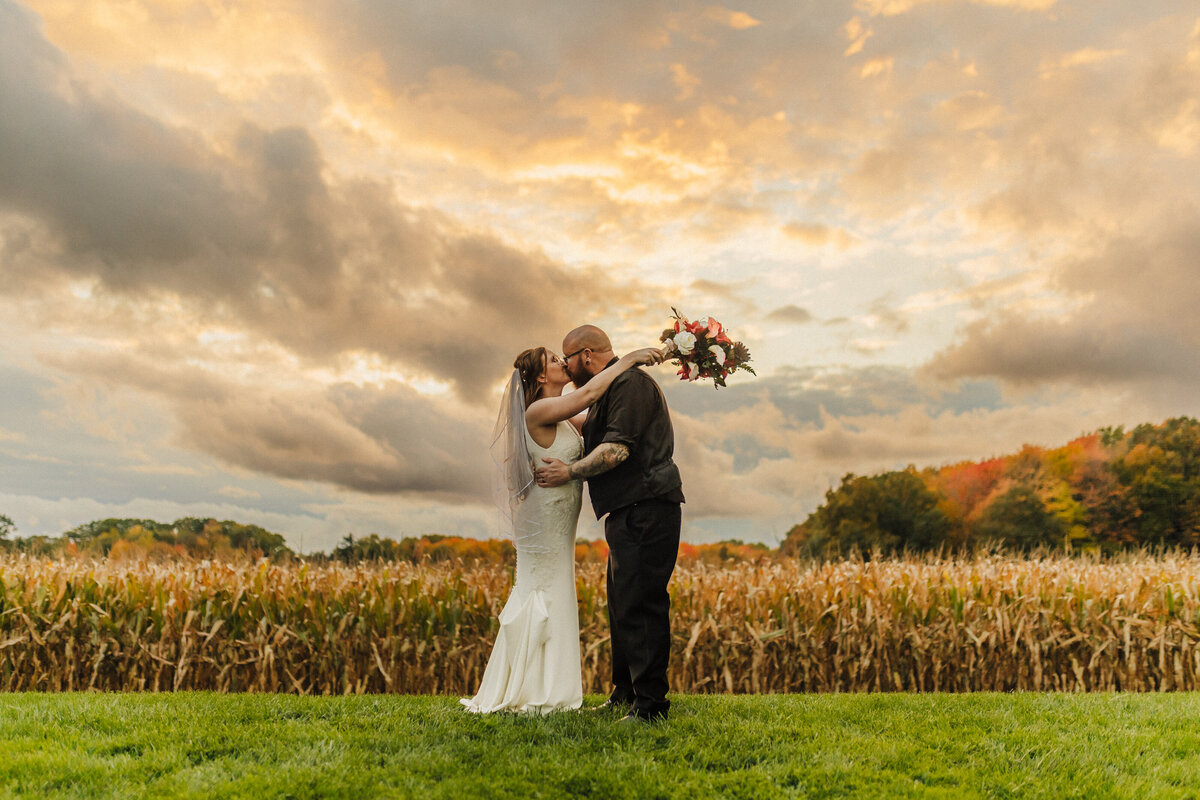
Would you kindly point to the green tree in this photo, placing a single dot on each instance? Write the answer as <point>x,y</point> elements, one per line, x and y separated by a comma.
<point>367,548</point>
<point>1112,435</point>
<point>887,513</point>
<point>1159,474</point>
<point>1019,518</point>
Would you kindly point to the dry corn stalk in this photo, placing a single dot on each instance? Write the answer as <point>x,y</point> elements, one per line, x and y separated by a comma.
<point>988,623</point>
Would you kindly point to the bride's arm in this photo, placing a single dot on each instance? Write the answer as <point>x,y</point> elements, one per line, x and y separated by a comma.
<point>551,410</point>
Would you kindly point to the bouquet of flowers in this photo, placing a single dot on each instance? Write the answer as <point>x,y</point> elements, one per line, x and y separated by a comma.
<point>704,350</point>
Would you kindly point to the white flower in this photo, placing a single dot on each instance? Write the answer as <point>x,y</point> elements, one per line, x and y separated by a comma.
<point>685,342</point>
<point>719,352</point>
<point>693,372</point>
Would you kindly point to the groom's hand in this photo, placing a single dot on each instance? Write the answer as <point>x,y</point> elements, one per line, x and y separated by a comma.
<point>555,473</point>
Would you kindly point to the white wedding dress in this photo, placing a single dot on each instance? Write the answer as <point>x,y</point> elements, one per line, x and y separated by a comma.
<point>534,667</point>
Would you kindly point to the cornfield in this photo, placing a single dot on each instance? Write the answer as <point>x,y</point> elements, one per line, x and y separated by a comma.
<point>987,623</point>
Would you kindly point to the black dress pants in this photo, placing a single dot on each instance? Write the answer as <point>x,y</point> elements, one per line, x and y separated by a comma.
<point>643,543</point>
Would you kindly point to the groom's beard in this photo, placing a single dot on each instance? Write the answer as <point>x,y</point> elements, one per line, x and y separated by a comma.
<point>580,378</point>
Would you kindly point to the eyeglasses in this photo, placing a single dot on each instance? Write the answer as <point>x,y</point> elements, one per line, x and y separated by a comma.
<point>577,352</point>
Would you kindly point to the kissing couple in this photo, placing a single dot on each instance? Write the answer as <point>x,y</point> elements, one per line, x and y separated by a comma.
<point>614,431</point>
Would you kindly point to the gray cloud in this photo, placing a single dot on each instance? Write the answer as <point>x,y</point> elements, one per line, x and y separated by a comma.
<point>257,236</point>
<point>884,313</point>
<point>376,440</point>
<point>1031,351</point>
<point>1134,320</point>
<point>808,396</point>
<point>124,193</point>
<point>792,314</point>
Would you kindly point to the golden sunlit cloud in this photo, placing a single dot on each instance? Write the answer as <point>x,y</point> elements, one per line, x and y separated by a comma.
<point>818,235</point>
<point>1080,58</point>
<point>971,110</point>
<point>738,20</point>
<point>1182,133</point>
<point>858,34</point>
<point>877,66</point>
<point>894,7</point>
<point>686,82</point>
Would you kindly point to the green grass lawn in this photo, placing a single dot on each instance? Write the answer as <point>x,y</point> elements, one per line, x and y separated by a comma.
<point>900,745</point>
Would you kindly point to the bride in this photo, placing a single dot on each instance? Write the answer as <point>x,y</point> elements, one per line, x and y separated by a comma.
<point>534,666</point>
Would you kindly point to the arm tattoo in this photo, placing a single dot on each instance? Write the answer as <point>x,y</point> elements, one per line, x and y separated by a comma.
<point>602,459</point>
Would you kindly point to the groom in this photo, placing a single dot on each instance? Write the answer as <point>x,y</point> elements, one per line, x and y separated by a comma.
<point>628,441</point>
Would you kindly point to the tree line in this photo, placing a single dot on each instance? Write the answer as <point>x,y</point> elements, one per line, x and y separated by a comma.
<point>1104,491</point>
<point>193,537</point>
<point>116,538</point>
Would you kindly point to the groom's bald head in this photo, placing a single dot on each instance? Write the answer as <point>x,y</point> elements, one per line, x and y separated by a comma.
<point>586,336</point>
<point>590,352</point>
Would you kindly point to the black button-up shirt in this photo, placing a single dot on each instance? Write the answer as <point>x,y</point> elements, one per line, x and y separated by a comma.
<point>633,412</point>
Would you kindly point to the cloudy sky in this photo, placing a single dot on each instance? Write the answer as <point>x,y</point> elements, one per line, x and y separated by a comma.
<point>270,261</point>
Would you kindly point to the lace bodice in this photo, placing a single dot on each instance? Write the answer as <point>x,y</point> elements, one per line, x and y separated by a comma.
<point>545,523</point>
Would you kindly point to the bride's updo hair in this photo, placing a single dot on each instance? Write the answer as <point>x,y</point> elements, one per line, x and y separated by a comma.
<point>531,363</point>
